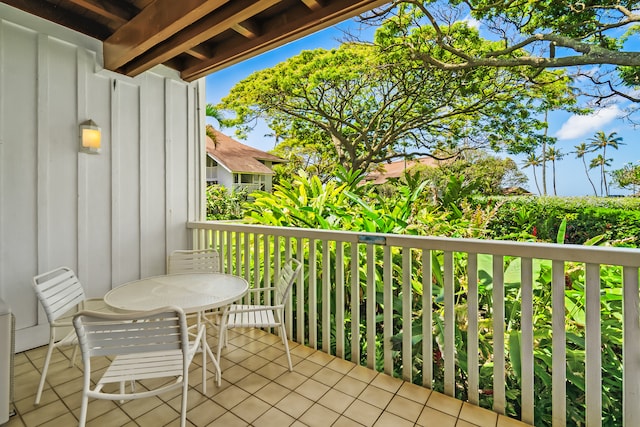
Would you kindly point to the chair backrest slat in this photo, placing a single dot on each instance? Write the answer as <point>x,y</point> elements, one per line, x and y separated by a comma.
<point>288,275</point>
<point>58,291</point>
<point>104,334</point>
<point>193,261</point>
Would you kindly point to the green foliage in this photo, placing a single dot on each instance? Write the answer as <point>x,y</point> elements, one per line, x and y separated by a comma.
<point>614,220</point>
<point>366,104</point>
<point>222,205</point>
<point>627,177</point>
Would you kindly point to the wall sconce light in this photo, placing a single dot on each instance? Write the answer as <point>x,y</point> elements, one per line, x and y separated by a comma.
<point>89,137</point>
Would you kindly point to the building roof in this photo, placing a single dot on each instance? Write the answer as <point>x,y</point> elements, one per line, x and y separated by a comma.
<point>240,158</point>
<point>397,168</point>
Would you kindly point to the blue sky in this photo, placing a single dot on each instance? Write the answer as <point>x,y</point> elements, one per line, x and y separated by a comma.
<point>570,130</point>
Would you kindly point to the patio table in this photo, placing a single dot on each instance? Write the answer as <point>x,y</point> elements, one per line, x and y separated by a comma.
<point>193,292</point>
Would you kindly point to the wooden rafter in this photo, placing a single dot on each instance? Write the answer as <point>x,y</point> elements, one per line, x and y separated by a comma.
<point>286,27</point>
<point>234,13</point>
<point>154,24</point>
<point>248,29</point>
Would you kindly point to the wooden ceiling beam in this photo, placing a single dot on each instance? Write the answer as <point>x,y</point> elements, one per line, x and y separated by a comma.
<point>199,52</point>
<point>312,4</point>
<point>248,29</point>
<point>153,25</point>
<point>284,28</point>
<point>60,15</point>
<point>108,10</point>
<point>234,13</point>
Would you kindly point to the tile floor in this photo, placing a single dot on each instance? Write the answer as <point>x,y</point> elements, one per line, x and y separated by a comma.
<point>257,390</point>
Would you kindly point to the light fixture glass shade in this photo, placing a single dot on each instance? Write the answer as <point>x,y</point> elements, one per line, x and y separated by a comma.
<point>90,136</point>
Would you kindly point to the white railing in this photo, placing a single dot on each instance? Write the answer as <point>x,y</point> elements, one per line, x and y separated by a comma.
<point>479,302</point>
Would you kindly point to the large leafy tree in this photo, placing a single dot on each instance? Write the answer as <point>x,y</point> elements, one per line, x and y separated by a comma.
<point>533,33</point>
<point>373,104</point>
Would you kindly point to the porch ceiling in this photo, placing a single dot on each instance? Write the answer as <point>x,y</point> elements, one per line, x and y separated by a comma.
<point>195,37</point>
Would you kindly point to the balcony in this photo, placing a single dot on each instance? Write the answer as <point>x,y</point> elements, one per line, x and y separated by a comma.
<point>479,303</point>
<point>257,389</point>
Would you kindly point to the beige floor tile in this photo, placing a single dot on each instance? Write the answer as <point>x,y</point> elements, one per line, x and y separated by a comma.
<point>312,389</point>
<point>341,365</point>
<point>350,386</point>
<point>235,373</point>
<point>362,373</point>
<point>157,416</point>
<point>363,412</point>
<point>319,416</point>
<point>50,411</point>
<point>274,418</point>
<point>510,422</point>
<point>294,404</point>
<point>205,413</point>
<point>231,396</point>
<point>291,380</point>
<point>376,396</point>
<point>327,376</point>
<point>254,362</point>
<point>345,422</point>
<point>115,418</point>
<point>404,408</point>
<point>463,423</point>
<point>272,393</point>
<point>251,408</point>
<point>271,371</point>
<point>257,390</point>
<point>252,383</point>
<point>478,416</point>
<point>444,403</point>
<point>387,382</point>
<point>414,392</point>
<point>432,417</point>
<point>390,420</point>
<point>307,368</point>
<point>229,420</point>
<point>320,358</point>
<point>336,400</point>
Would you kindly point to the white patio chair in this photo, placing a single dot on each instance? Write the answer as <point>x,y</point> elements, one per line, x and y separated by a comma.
<point>193,261</point>
<point>61,295</point>
<point>183,261</point>
<point>265,315</point>
<point>146,345</point>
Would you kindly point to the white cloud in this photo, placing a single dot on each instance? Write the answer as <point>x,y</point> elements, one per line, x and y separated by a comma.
<point>578,126</point>
<point>471,22</point>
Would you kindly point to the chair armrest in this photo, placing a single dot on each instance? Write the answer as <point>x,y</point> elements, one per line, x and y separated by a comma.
<point>254,308</point>
<point>258,290</point>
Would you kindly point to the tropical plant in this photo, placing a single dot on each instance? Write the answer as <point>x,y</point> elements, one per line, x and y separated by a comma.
<point>554,155</point>
<point>581,151</point>
<point>533,161</point>
<point>600,141</point>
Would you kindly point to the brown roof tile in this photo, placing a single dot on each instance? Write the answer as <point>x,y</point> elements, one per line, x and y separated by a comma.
<point>396,169</point>
<point>238,157</point>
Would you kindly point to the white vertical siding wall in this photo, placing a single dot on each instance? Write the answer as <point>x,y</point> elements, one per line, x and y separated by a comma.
<point>111,217</point>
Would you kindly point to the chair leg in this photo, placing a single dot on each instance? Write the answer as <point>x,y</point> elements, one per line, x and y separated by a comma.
<point>47,359</point>
<point>283,335</point>
<point>183,406</point>
<point>83,410</point>
<point>72,362</point>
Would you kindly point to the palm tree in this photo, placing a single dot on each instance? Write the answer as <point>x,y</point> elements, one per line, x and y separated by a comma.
<point>554,154</point>
<point>212,111</point>
<point>601,162</point>
<point>533,161</point>
<point>581,150</point>
<point>601,141</point>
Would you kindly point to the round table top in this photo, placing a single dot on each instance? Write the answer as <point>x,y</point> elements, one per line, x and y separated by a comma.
<point>192,292</point>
